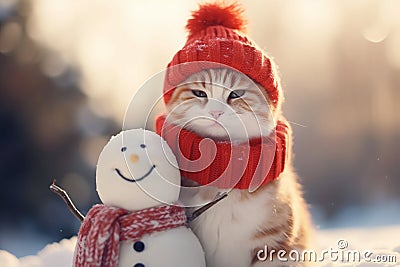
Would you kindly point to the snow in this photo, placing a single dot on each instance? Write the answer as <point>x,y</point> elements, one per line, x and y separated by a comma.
<point>380,241</point>
<point>56,254</point>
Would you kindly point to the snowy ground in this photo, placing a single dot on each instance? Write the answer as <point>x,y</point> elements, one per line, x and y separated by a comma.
<point>383,242</point>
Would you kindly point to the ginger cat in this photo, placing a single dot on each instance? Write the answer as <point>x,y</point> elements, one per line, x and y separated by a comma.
<point>226,106</point>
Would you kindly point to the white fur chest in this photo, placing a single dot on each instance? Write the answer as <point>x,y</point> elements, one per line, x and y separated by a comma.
<point>177,247</point>
<point>226,229</point>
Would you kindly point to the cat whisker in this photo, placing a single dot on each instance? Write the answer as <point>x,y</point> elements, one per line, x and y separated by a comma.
<point>298,124</point>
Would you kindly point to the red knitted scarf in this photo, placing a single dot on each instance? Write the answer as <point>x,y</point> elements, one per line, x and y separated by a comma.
<point>104,227</point>
<point>226,165</point>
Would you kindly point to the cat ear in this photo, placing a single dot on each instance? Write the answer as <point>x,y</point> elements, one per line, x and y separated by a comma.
<point>216,14</point>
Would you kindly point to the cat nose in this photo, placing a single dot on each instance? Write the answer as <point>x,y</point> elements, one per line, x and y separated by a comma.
<point>216,113</point>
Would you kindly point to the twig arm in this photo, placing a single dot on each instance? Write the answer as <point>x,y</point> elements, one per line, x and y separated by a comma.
<point>63,194</point>
<point>201,210</point>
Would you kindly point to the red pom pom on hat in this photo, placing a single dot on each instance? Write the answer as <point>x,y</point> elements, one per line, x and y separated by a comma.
<point>215,14</point>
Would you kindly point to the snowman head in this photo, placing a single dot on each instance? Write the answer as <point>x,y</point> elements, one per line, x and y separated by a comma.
<point>137,170</point>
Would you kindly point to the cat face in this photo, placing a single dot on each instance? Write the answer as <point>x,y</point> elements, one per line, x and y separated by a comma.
<point>221,104</point>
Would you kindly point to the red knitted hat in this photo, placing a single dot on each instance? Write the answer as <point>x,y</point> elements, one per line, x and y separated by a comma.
<point>216,36</point>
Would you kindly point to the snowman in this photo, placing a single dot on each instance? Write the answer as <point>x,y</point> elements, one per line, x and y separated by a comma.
<point>139,223</point>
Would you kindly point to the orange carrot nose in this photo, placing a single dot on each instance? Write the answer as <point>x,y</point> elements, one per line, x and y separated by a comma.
<point>134,158</point>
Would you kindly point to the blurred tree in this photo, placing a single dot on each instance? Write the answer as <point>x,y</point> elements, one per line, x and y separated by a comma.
<point>41,136</point>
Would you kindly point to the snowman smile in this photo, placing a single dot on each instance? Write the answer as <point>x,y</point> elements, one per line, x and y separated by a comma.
<point>134,180</point>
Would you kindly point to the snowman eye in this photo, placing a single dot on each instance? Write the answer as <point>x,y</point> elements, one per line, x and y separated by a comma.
<point>143,146</point>
<point>123,149</point>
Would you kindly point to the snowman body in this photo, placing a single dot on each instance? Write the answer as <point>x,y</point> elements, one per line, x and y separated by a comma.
<point>175,247</point>
<point>137,170</point>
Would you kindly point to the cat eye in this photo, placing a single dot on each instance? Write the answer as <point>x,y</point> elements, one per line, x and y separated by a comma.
<point>199,93</point>
<point>236,94</point>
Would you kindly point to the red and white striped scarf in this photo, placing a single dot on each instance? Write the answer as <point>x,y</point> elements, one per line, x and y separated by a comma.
<point>104,227</point>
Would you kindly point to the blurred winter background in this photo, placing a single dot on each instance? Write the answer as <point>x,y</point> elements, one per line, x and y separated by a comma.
<point>68,70</point>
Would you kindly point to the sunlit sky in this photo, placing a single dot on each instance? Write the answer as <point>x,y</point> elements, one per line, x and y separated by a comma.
<point>117,45</point>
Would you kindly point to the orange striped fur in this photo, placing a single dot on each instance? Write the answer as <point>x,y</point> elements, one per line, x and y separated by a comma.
<point>276,215</point>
